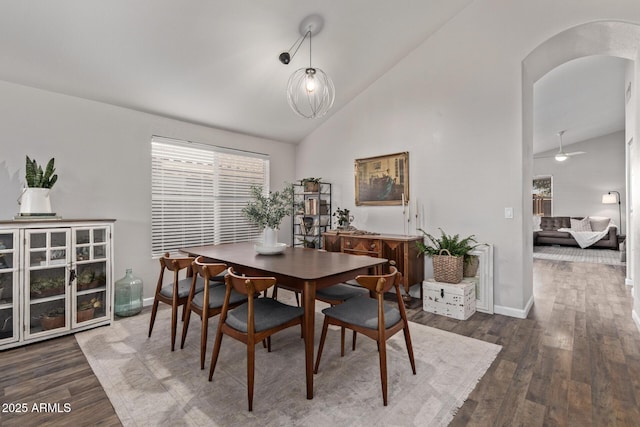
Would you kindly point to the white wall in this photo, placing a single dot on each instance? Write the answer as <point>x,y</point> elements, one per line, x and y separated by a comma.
<point>456,105</point>
<point>580,182</point>
<point>104,165</point>
<point>633,188</point>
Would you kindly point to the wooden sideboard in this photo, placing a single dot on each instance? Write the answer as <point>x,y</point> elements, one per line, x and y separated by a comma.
<point>399,248</point>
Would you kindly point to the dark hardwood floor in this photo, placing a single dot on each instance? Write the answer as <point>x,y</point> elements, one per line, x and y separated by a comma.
<point>574,361</point>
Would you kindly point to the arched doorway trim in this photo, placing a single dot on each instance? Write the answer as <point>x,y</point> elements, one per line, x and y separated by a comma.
<point>610,38</point>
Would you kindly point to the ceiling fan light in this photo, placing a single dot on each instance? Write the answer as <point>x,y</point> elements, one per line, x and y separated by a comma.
<point>561,157</point>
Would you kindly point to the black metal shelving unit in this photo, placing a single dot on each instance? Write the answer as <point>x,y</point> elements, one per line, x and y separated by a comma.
<point>312,214</point>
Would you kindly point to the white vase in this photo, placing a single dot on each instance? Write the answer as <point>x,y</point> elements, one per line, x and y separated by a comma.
<point>35,201</point>
<point>270,237</point>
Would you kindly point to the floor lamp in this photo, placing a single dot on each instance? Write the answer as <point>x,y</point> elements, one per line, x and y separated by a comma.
<point>610,199</point>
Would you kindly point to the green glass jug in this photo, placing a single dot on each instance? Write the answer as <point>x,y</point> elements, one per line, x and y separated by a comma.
<point>128,295</point>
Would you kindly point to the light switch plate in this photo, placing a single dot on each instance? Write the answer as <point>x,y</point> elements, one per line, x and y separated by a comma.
<point>508,213</point>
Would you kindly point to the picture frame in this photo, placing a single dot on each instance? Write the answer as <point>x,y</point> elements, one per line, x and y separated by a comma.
<point>382,180</point>
<point>484,278</point>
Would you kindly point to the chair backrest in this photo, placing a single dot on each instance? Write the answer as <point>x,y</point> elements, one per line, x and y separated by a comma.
<point>248,285</point>
<point>172,264</point>
<point>207,270</point>
<point>175,264</point>
<point>381,283</point>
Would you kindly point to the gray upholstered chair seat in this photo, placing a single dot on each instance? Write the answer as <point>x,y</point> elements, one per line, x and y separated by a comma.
<point>363,311</point>
<point>219,277</point>
<point>268,313</point>
<point>341,291</point>
<point>184,286</point>
<point>217,291</point>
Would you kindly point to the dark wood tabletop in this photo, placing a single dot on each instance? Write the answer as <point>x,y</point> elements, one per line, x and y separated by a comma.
<point>302,268</point>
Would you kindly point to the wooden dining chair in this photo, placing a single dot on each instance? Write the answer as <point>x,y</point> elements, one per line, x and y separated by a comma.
<point>175,293</point>
<point>373,318</point>
<point>253,321</point>
<point>337,294</point>
<point>296,292</point>
<point>212,275</point>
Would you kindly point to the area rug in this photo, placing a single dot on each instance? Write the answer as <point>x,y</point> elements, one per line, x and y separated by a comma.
<point>150,385</point>
<point>567,253</point>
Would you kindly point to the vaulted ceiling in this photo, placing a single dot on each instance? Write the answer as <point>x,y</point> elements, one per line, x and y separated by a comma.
<point>215,62</point>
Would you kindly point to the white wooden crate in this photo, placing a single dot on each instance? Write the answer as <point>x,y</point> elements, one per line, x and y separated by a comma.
<point>452,300</point>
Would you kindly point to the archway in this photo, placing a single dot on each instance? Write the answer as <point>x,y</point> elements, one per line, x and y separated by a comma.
<point>609,38</point>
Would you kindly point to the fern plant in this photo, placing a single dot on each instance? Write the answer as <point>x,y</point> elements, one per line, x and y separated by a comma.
<point>453,243</point>
<point>37,178</point>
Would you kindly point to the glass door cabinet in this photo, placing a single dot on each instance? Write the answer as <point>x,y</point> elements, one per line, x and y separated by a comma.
<point>9,313</point>
<point>55,278</point>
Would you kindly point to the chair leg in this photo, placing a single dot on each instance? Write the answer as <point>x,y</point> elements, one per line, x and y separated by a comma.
<point>355,334</point>
<point>174,325</point>
<point>216,352</point>
<point>269,344</point>
<point>407,340</point>
<point>382,351</point>
<point>203,339</point>
<point>342,341</point>
<point>185,327</point>
<point>325,327</point>
<point>251,353</point>
<point>154,310</point>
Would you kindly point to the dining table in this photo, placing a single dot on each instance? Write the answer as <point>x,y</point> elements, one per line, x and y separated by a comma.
<point>300,268</point>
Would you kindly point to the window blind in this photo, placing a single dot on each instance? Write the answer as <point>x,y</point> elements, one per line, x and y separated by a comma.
<point>198,192</point>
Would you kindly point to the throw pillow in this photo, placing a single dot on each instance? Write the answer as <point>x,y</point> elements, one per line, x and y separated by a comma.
<point>580,224</point>
<point>599,223</point>
<point>536,223</point>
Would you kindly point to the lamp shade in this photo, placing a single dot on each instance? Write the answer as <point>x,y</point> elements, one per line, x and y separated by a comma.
<point>310,92</point>
<point>608,199</point>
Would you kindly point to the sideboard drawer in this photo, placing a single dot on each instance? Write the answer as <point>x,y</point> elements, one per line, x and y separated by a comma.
<point>361,245</point>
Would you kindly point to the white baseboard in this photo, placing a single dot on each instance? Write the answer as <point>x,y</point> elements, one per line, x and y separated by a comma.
<point>147,302</point>
<point>514,312</point>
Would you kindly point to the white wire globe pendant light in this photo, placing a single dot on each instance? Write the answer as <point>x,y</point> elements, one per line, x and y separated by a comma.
<point>310,91</point>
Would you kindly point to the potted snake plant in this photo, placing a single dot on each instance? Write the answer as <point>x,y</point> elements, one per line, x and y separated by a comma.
<point>34,199</point>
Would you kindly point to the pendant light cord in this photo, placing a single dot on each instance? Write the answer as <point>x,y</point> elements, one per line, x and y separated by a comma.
<point>310,37</point>
<point>299,43</point>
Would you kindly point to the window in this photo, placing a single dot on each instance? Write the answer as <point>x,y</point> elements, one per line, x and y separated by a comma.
<point>198,192</point>
<point>543,195</point>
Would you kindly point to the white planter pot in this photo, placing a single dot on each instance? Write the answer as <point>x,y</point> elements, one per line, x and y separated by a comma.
<point>270,237</point>
<point>35,201</point>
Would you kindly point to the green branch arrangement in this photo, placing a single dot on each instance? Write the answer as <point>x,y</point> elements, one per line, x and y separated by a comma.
<point>268,211</point>
<point>37,178</point>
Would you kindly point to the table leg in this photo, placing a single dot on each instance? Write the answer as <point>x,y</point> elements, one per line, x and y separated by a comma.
<point>309,298</point>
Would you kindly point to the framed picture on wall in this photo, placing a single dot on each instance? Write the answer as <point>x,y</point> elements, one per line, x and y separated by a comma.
<point>382,180</point>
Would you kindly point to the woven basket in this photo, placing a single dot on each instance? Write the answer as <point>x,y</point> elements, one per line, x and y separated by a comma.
<point>471,266</point>
<point>447,268</point>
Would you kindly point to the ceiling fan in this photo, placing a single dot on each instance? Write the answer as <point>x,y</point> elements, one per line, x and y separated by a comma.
<point>561,156</point>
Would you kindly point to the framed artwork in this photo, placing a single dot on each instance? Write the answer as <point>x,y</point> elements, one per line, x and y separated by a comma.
<point>382,180</point>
